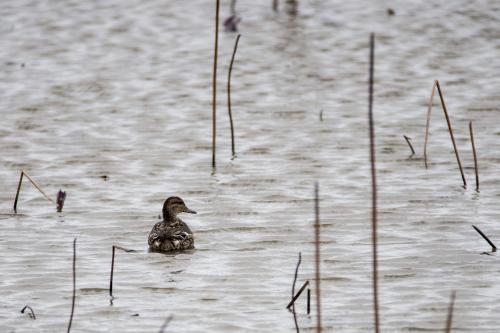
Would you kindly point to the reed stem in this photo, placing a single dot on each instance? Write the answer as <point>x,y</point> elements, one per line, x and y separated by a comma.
<point>427,125</point>
<point>24,173</point>
<point>275,5</point>
<point>165,324</point>
<point>296,296</point>
<point>374,184</point>
<point>229,94</point>
<point>214,84</point>
<point>32,314</point>
<point>18,190</point>
<point>317,258</point>
<point>292,303</point>
<point>74,287</point>
<point>409,144</point>
<point>493,247</point>
<point>449,318</point>
<point>114,247</point>
<point>450,129</point>
<point>308,300</point>
<point>476,168</point>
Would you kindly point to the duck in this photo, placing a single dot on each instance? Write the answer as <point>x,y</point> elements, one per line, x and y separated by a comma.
<point>172,234</point>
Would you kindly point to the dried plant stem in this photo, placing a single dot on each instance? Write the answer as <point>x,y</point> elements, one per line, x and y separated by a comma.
<point>296,296</point>
<point>32,314</point>
<point>113,265</point>
<point>275,5</point>
<point>24,173</point>
<point>229,94</point>
<point>165,324</point>
<point>292,303</point>
<point>476,168</point>
<point>214,83</point>
<point>449,318</point>
<point>427,125</point>
<point>493,247</point>
<point>409,144</point>
<point>308,300</point>
<point>374,185</point>
<point>74,287</point>
<point>450,129</point>
<point>317,258</point>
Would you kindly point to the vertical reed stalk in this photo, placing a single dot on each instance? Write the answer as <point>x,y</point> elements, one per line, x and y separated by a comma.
<point>449,318</point>
<point>374,185</point>
<point>74,287</point>
<point>317,258</point>
<point>308,301</point>
<point>427,125</point>
<point>476,168</point>
<point>18,190</point>
<point>165,324</point>
<point>214,83</point>
<point>293,292</point>
<point>450,129</point>
<point>229,94</point>
<point>275,5</point>
<point>112,270</point>
<point>408,141</point>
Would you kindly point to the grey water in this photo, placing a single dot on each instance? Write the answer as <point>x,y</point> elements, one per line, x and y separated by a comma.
<point>111,102</point>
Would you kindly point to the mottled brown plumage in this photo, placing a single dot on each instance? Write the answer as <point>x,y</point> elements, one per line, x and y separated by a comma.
<point>172,234</point>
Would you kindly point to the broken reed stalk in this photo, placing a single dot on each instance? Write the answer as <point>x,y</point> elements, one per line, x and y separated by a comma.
<point>493,247</point>
<point>229,94</point>
<point>165,324</point>
<point>317,258</point>
<point>450,313</point>
<point>275,5</point>
<point>409,144</point>
<point>427,125</point>
<point>374,184</point>
<point>296,296</point>
<point>74,287</point>
<point>293,293</point>
<point>214,83</point>
<point>308,300</point>
<point>476,169</point>
<point>450,129</point>
<point>113,266</point>
<point>24,173</point>
<point>32,314</point>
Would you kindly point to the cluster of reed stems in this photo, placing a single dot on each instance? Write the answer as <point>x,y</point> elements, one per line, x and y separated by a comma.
<point>59,202</point>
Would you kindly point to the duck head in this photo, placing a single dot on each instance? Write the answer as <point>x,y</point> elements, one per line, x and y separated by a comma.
<point>174,206</point>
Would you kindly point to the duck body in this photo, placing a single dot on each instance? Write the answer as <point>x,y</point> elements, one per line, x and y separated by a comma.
<point>172,234</point>
<point>169,236</point>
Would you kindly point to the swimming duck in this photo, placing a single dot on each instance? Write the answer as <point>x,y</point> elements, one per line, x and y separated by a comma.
<point>172,234</point>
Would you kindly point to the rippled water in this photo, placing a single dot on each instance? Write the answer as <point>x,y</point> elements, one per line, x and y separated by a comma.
<point>123,89</point>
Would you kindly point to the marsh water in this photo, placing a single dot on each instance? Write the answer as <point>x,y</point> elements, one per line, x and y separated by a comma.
<point>111,102</point>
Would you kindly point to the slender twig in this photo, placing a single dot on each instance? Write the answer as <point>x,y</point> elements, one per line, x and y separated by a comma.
<point>293,293</point>
<point>374,184</point>
<point>297,295</point>
<point>214,83</point>
<point>321,115</point>
<point>32,314</point>
<point>317,258</point>
<point>165,324</point>
<point>74,287</point>
<point>308,301</point>
<point>450,129</point>
<point>113,265</point>
<point>476,168</point>
<point>427,125</point>
<point>229,94</point>
<point>493,247</point>
<point>449,318</point>
<point>24,173</point>
<point>409,144</point>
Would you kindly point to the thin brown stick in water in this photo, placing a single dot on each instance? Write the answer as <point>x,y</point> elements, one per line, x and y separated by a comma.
<point>229,94</point>
<point>296,296</point>
<point>450,129</point>
<point>493,247</point>
<point>165,324</point>
<point>32,314</point>
<point>409,144</point>
<point>74,287</point>
<point>317,258</point>
<point>476,168</point>
<point>24,173</point>
<point>427,125</point>
<point>214,83</point>
<point>293,293</point>
<point>275,5</point>
<point>449,318</point>
<point>374,185</point>
<point>308,300</point>
<point>18,190</point>
<point>113,265</point>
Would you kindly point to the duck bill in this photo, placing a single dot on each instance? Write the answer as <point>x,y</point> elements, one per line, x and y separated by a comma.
<point>190,211</point>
